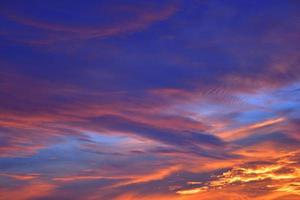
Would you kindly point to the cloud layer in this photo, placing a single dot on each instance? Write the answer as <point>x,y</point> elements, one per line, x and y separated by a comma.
<point>146,100</point>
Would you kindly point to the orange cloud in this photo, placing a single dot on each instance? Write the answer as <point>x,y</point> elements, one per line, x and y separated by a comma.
<point>248,130</point>
<point>21,176</point>
<point>272,179</point>
<point>29,191</point>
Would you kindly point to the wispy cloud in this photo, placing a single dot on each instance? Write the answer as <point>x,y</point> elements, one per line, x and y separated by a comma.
<point>176,100</point>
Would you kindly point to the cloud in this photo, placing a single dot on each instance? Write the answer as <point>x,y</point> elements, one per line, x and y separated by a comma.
<point>149,100</point>
<point>30,191</point>
<point>266,178</point>
<point>244,131</point>
<point>21,176</point>
<point>131,18</point>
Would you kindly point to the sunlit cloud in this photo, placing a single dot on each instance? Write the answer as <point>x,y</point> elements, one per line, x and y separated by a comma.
<point>172,100</point>
<point>30,191</point>
<point>247,130</point>
<point>280,175</point>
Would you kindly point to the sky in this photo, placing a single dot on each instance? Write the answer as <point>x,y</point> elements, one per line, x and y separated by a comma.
<point>143,100</point>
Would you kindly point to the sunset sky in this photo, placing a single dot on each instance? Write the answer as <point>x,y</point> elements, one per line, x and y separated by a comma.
<point>150,100</point>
